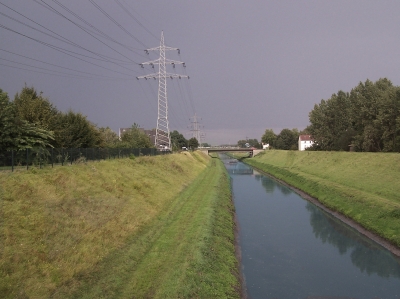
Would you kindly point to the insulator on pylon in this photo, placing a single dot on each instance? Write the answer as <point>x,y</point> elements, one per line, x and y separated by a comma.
<point>141,64</point>
<point>162,139</point>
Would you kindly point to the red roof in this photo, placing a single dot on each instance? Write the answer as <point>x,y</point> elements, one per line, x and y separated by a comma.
<point>305,138</point>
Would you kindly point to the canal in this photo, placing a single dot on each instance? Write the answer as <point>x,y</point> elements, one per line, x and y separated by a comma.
<point>292,249</point>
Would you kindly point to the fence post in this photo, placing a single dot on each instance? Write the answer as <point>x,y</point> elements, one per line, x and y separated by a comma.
<point>12,160</point>
<point>71,158</point>
<point>27,158</point>
<point>62,157</point>
<point>40,158</point>
<point>52,158</point>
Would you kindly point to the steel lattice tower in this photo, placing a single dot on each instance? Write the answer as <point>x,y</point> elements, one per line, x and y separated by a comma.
<point>195,128</point>
<point>163,139</point>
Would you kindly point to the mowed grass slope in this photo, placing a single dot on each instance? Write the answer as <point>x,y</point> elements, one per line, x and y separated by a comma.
<point>118,229</point>
<point>363,186</point>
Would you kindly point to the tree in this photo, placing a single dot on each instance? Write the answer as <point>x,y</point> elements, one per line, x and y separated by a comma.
<point>108,138</point>
<point>73,130</point>
<point>35,109</point>
<point>193,143</point>
<point>374,114</point>
<point>287,139</point>
<point>367,118</point>
<point>178,140</point>
<point>135,138</point>
<point>17,133</point>
<point>269,137</point>
<point>331,122</point>
<point>249,142</point>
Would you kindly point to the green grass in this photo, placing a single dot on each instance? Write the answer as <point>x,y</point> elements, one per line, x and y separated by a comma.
<point>363,186</point>
<point>155,227</point>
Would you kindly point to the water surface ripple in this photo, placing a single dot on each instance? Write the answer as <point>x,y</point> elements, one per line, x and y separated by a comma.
<point>292,249</point>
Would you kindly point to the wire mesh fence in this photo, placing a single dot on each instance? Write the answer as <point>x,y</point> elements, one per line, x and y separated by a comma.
<point>49,157</point>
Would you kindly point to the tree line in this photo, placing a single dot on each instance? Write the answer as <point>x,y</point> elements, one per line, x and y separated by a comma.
<point>365,119</point>
<point>287,139</point>
<point>31,120</point>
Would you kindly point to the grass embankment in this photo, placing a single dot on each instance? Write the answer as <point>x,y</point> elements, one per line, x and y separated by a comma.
<point>155,227</point>
<point>362,186</point>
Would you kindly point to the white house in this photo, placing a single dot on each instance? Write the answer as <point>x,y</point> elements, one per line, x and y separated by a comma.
<point>305,141</point>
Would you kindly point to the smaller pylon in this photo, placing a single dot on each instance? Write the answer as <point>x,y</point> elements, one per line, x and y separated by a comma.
<point>195,128</point>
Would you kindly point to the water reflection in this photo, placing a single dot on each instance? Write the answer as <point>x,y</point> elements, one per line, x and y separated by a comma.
<point>234,167</point>
<point>292,249</point>
<point>268,184</point>
<point>365,254</point>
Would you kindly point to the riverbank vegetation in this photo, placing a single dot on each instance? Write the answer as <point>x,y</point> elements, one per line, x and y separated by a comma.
<point>367,117</point>
<point>150,227</point>
<point>32,121</point>
<point>361,186</point>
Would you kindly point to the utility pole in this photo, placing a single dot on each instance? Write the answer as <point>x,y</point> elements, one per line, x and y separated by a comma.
<point>163,138</point>
<point>195,129</point>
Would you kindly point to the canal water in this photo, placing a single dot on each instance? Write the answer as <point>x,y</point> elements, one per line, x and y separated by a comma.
<point>293,249</point>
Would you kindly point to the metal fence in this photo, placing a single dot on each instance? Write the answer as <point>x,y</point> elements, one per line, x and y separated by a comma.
<point>48,157</point>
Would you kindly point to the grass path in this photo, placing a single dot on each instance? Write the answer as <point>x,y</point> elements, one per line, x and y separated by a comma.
<point>165,231</point>
<point>183,253</point>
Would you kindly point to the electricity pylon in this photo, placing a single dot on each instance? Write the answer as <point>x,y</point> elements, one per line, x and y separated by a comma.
<point>163,138</point>
<point>195,128</point>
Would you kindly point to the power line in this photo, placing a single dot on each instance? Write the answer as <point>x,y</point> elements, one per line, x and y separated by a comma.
<point>189,89</point>
<point>99,32</point>
<point>182,106</point>
<point>115,22</point>
<point>40,68</point>
<point>145,94</point>
<point>101,76</point>
<point>134,18</point>
<point>62,39</point>
<point>59,74</point>
<point>64,51</point>
<point>46,5</point>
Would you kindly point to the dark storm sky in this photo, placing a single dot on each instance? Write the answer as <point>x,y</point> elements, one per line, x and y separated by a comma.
<point>252,64</point>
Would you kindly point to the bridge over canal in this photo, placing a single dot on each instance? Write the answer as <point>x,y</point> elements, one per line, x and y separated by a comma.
<point>251,151</point>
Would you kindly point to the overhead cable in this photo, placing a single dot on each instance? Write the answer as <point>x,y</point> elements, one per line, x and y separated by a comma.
<point>61,50</point>
<point>115,22</point>
<point>134,18</point>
